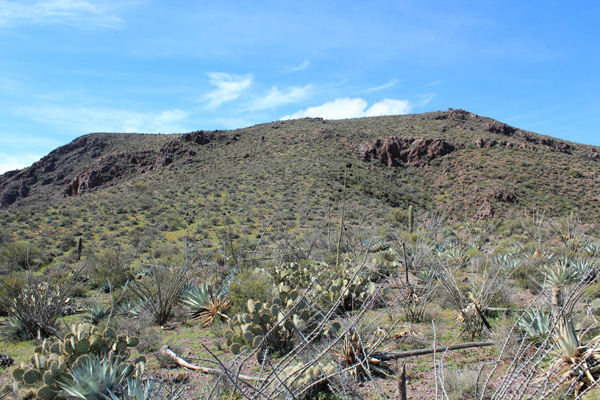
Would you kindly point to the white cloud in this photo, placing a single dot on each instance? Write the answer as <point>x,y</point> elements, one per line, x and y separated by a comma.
<point>11,162</point>
<point>71,12</point>
<point>276,97</point>
<point>388,107</point>
<point>85,120</point>
<point>170,116</point>
<point>353,108</point>
<point>229,88</point>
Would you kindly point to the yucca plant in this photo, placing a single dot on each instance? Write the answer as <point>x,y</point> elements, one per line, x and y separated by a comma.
<point>577,366</point>
<point>160,291</point>
<point>96,378</point>
<point>562,274</point>
<point>37,307</point>
<point>586,268</point>
<point>204,303</point>
<point>415,298</point>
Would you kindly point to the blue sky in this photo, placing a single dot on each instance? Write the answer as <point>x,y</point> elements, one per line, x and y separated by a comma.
<point>71,67</point>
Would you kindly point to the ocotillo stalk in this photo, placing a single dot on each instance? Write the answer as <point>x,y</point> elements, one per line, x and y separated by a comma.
<point>339,244</point>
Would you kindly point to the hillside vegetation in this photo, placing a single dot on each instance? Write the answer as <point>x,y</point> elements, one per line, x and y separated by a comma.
<point>305,259</point>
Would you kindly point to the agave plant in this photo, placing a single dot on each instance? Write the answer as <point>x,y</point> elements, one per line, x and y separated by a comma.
<point>129,309</point>
<point>591,248</point>
<point>96,378</point>
<point>586,268</point>
<point>98,313</point>
<point>362,359</point>
<point>204,303</point>
<point>15,331</point>
<point>536,322</point>
<point>454,254</point>
<point>151,390</point>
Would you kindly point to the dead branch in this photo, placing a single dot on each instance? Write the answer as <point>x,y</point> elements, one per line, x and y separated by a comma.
<point>213,371</point>
<point>439,349</point>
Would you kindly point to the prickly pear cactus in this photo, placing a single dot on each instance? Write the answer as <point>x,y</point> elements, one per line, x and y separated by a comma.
<point>301,377</point>
<point>271,326</point>
<point>248,330</point>
<point>348,285</point>
<point>51,360</point>
<point>298,275</point>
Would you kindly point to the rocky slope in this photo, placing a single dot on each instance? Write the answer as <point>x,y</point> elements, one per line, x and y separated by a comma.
<point>454,159</point>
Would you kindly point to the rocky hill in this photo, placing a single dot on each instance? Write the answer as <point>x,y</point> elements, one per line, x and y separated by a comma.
<point>446,159</point>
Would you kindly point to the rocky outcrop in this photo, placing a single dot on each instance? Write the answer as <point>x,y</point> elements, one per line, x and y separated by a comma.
<point>556,145</point>
<point>505,197</point>
<point>106,169</point>
<point>12,191</point>
<point>499,128</point>
<point>395,151</point>
<point>483,143</point>
<point>484,209</point>
<point>111,168</point>
<point>454,115</point>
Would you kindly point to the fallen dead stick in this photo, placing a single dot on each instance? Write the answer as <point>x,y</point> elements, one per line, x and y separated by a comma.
<point>384,357</point>
<point>439,349</point>
<point>213,371</point>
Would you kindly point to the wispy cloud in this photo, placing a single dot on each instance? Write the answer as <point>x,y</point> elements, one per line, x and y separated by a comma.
<point>71,12</point>
<point>8,84</point>
<point>435,83</point>
<point>84,120</point>
<point>424,99</point>
<point>275,97</point>
<point>353,108</point>
<point>26,142</point>
<point>234,123</point>
<point>10,162</point>
<point>229,88</point>
<point>387,85</point>
<point>305,64</point>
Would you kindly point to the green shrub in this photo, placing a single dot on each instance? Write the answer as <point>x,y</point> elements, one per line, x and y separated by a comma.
<point>109,266</point>
<point>250,284</point>
<point>20,255</point>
